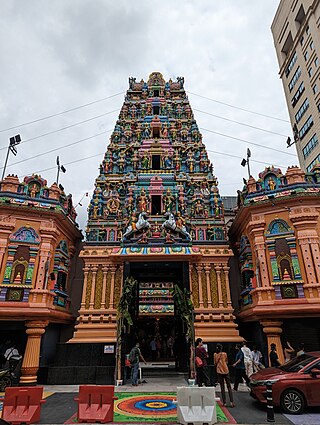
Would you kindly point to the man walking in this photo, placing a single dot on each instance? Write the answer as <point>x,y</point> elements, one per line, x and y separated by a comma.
<point>134,357</point>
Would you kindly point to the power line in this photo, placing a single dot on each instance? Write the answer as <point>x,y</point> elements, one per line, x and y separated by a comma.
<point>61,113</point>
<point>65,128</point>
<point>57,149</point>
<point>241,123</point>
<point>237,107</point>
<point>68,163</point>
<point>249,143</point>
<point>240,157</point>
<point>98,154</point>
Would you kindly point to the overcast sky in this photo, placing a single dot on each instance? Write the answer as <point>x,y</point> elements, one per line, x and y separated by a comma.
<point>59,54</point>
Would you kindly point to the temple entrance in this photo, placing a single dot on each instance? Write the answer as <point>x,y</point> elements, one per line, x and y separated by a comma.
<point>157,325</point>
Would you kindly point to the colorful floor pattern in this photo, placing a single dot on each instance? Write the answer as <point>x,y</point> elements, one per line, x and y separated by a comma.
<point>150,407</point>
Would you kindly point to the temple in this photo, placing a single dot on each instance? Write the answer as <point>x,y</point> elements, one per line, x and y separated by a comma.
<point>39,240</point>
<point>275,237</point>
<point>156,215</point>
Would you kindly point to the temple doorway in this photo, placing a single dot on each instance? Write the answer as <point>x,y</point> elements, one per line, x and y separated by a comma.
<point>157,325</point>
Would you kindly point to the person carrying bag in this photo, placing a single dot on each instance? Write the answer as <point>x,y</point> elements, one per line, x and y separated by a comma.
<point>220,360</point>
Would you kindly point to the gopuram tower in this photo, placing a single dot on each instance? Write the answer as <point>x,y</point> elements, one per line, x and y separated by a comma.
<point>156,214</point>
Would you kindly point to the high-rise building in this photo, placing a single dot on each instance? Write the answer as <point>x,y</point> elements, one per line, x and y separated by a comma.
<point>296,35</point>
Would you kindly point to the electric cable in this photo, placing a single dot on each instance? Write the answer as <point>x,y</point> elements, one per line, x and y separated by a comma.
<point>238,107</point>
<point>240,123</point>
<point>57,149</point>
<point>64,128</point>
<point>249,143</point>
<point>61,113</point>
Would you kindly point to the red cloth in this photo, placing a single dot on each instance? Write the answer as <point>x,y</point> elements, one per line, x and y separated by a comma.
<point>202,353</point>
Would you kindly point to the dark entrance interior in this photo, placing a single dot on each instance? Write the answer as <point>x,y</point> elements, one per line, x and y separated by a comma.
<point>156,204</point>
<point>161,336</point>
<point>156,162</point>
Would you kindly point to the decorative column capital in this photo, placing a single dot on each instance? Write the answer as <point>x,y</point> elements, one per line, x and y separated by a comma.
<point>271,326</point>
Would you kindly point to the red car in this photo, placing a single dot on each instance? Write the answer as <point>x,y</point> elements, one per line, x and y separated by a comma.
<point>295,384</point>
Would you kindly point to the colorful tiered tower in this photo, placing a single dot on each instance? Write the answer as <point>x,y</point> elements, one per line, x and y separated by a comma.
<point>156,214</point>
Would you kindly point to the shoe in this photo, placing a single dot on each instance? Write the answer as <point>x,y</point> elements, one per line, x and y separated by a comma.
<point>224,404</point>
<point>232,405</point>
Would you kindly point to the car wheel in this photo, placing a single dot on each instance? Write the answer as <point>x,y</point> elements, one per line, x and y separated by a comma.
<point>5,382</point>
<point>292,402</point>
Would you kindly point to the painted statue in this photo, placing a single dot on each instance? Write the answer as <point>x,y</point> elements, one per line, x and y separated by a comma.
<point>134,224</point>
<point>171,224</point>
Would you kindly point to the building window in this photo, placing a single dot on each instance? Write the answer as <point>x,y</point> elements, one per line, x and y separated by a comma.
<point>156,93</point>
<point>156,110</point>
<point>316,61</point>
<point>307,30</point>
<point>310,146</point>
<point>310,71</point>
<point>306,127</point>
<point>156,132</point>
<point>295,78</point>
<point>291,64</point>
<point>306,56</point>
<point>155,204</point>
<point>316,160</point>
<point>156,162</point>
<point>302,40</point>
<point>315,89</point>
<point>302,110</point>
<point>318,106</point>
<point>297,95</point>
<point>311,45</point>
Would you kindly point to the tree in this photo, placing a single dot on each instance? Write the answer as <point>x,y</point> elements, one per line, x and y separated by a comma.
<point>124,318</point>
<point>185,310</point>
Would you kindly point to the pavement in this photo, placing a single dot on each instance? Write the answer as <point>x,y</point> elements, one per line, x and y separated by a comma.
<point>60,406</point>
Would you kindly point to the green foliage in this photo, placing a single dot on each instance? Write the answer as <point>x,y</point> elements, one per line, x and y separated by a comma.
<point>184,307</point>
<point>126,299</point>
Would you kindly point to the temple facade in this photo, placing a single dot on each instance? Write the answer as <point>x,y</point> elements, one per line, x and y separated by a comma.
<point>38,240</point>
<point>275,237</point>
<point>156,215</point>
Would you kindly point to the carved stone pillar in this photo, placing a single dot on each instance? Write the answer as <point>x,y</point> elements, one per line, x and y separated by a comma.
<point>207,269</point>
<point>220,294</point>
<point>93,287</point>
<point>30,364</point>
<point>113,273</point>
<point>104,286</point>
<point>226,273</point>
<point>273,330</point>
<point>84,289</point>
<point>307,260</point>
<point>199,270</point>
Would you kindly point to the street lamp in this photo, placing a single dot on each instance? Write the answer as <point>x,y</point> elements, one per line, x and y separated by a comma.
<point>245,162</point>
<point>60,168</point>
<point>13,142</point>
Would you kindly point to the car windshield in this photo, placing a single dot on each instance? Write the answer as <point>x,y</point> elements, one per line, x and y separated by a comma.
<point>297,363</point>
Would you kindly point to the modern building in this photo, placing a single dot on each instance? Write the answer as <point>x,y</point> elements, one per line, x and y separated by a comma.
<point>156,215</point>
<point>276,239</point>
<point>39,241</point>
<point>296,35</point>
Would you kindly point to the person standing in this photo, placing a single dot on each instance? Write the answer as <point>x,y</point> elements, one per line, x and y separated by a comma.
<point>273,356</point>
<point>154,349</point>
<point>248,359</point>
<point>257,359</point>
<point>134,357</point>
<point>289,352</point>
<point>220,360</point>
<point>202,373</point>
<point>240,370</point>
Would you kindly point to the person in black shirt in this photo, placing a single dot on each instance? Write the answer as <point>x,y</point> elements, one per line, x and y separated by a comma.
<point>274,359</point>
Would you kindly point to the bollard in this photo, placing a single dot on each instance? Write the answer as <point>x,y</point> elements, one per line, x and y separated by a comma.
<point>270,412</point>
